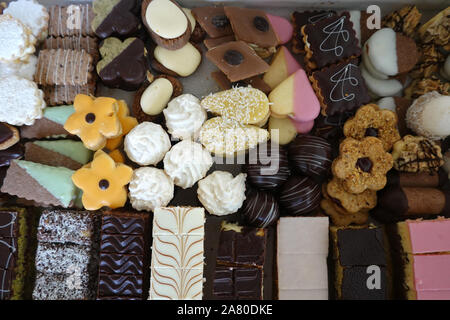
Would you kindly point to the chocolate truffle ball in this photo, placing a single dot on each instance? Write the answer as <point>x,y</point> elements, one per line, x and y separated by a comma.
<point>311,156</point>
<point>271,168</point>
<point>299,195</point>
<point>260,209</point>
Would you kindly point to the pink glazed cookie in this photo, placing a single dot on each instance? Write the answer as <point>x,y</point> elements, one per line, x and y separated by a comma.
<point>295,97</point>
<point>282,66</point>
<point>282,27</point>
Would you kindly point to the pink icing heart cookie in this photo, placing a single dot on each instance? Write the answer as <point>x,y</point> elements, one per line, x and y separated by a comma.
<point>282,66</point>
<point>295,97</point>
<point>282,27</point>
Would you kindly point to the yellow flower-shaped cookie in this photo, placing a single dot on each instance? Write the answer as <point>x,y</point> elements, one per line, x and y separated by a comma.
<point>127,123</point>
<point>103,182</point>
<point>94,120</point>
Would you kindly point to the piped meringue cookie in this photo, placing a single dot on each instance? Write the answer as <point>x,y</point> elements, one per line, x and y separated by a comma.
<point>184,116</point>
<point>147,144</point>
<point>186,163</point>
<point>150,188</point>
<point>221,193</point>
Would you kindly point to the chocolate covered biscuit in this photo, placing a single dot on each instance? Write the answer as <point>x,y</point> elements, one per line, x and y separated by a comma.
<point>329,41</point>
<point>340,88</point>
<point>213,20</point>
<point>299,19</point>
<point>237,60</point>
<point>123,64</point>
<point>115,18</point>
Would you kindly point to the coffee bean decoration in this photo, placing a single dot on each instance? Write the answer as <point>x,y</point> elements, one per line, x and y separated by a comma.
<point>365,164</point>
<point>103,184</point>
<point>371,132</point>
<point>220,21</point>
<point>233,57</point>
<point>261,24</point>
<point>90,118</point>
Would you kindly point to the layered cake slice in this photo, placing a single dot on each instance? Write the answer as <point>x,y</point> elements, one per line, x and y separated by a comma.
<point>361,263</point>
<point>43,184</point>
<point>239,270</point>
<point>302,250</point>
<point>14,243</point>
<point>423,257</point>
<point>177,254</point>
<point>59,153</point>
<point>123,267</point>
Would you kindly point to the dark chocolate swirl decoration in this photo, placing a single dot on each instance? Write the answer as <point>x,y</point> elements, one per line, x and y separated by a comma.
<point>123,225</point>
<point>122,244</point>
<point>311,156</point>
<point>111,263</point>
<point>120,285</point>
<point>269,171</point>
<point>300,195</point>
<point>260,209</point>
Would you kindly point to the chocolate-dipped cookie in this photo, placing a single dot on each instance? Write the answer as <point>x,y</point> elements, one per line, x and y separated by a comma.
<point>14,152</point>
<point>167,23</point>
<point>311,156</point>
<point>124,64</point>
<point>9,136</point>
<point>260,209</point>
<point>299,195</point>
<point>115,18</point>
<point>270,169</point>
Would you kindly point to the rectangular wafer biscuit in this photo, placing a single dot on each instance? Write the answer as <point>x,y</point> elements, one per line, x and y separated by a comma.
<point>88,44</point>
<point>58,95</point>
<point>63,67</point>
<point>71,20</point>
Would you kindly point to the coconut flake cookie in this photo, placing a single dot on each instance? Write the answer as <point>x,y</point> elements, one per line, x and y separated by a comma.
<point>22,69</point>
<point>16,39</point>
<point>32,14</point>
<point>20,109</point>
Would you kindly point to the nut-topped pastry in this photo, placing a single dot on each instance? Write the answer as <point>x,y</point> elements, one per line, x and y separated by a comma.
<point>362,164</point>
<point>371,121</point>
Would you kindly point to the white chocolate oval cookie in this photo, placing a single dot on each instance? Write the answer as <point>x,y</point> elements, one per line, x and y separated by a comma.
<point>166,19</point>
<point>183,61</point>
<point>156,96</point>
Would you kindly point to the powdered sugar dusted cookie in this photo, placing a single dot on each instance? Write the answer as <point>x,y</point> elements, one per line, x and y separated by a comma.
<point>16,39</point>
<point>32,14</point>
<point>20,109</point>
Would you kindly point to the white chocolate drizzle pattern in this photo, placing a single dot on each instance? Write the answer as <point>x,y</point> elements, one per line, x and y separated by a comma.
<point>335,31</point>
<point>177,254</point>
<point>12,249</point>
<point>340,78</point>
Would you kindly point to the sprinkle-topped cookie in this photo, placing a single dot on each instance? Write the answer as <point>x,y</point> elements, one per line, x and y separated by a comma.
<point>330,40</point>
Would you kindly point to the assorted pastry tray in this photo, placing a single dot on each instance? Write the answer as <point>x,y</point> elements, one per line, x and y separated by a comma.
<point>154,149</point>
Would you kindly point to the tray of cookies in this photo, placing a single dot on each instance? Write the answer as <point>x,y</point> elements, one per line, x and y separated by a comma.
<point>196,150</point>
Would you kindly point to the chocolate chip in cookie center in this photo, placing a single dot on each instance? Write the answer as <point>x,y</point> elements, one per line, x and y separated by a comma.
<point>371,132</point>
<point>220,21</point>
<point>90,118</point>
<point>365,164</point>
<point>103,184</point>
<point>233,57</point>
<point>261,24</point>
